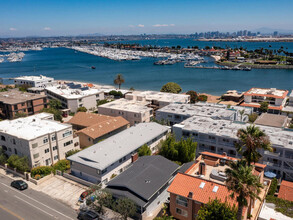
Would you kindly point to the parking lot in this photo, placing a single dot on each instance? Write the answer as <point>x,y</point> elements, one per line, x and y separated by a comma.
<point>62,189</point>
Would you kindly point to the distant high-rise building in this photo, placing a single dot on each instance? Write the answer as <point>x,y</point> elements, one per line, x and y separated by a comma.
<point>275,33</point>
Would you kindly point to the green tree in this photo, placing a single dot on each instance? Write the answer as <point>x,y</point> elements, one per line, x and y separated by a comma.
<point>273,187</point>
<point>20,115</point>
<point>104,199</point>
<point>144,150</point>
<point>71,152</point>
<point>3,156</point>
<point>20,163</point>
<point>252,117</point>
<point>101,102</point>
<point>62,165</point>
<point>264,106</point>
<point>119,80</point>
<point>243,184</point>
<point>55,104</point>
<point>56,112</point>
<point>252,139</point>
<point>193,96</point>
<point>216,210</point>
<point>126,208</point>
<point>202,98</point>
<point>171,87</point>
<point>81,109</point>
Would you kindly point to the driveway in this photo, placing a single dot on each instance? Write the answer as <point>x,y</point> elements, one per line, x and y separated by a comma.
<point>62,189</point>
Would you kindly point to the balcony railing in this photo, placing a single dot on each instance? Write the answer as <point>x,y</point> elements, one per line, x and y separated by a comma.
<point>272,164</point>
<point>275,154</point>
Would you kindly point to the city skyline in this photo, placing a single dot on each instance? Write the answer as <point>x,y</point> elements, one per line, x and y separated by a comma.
<point>63,18</point>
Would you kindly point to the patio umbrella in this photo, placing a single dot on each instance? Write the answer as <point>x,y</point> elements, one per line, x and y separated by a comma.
<point>270,174</point>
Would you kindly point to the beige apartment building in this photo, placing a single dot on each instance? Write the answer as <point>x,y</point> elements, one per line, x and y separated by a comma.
<point>40,138</point>
<point>133,111</point>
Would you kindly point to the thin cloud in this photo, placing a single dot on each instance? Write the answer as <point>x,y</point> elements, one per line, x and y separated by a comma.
<point>132,26</point>
<point>172,25</point>
<point>47,29</point>
<point>140,25</point>
<point>12,29</point>
<point>160,25</point>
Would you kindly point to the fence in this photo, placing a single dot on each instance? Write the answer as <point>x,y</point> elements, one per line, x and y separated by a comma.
<point>76,179</point>
<point>14,171</point>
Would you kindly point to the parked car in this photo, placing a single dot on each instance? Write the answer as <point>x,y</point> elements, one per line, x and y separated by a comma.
<point>19,184</point>
<point>87,215</point>
<point>85,194</point>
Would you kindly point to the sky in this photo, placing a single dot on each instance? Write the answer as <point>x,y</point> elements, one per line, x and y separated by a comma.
<point>75,17</point>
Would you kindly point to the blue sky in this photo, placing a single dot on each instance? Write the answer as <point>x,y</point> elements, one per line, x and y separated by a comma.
<point>73,17</point>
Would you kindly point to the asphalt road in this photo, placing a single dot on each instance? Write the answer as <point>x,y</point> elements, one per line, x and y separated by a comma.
<point>30,204</point>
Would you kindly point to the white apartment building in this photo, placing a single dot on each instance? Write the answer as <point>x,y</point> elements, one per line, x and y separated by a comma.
<point>159,99</point>
<point>40,138</point>
<point>72,96</point>
<point>275,97</point>
<point>112,156</point>
<point>218,136</point>
<point>34,81</point>
<point>288,110</point>
<point>133,111</point>
<point>176,113</point>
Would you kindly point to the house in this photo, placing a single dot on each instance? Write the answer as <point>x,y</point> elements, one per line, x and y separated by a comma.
<point>34,81</point>
<point>272,120</point>
<point>98,163</point>
<point>40,138</point>
<point>219,136</point>
<point>14,101</point>
<point>145,182</point>
<point>276,99</point>
<point>233,95</point>
<point>75,95</point>
<point>286,190</point>
<point>133,111</point>
<point>205,180</point>
<point>98,129</point>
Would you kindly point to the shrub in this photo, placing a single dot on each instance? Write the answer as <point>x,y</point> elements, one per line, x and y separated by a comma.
<point>20,163</point>
<point>37,177</point>
<point>41,171</point>
<point>116,93</point>
<point>252,117</point>
<point>193,96</point>
<point>81,109</point>
<point>202,98</point>
<point>62,165</point>
<point>71,152</point>
<point>144,150</point>
<point>171,87</point>
<point>273,187</point>
<point>101,102</point>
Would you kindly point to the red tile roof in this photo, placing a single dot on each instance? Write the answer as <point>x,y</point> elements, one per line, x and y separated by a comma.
<point>258,105</point>
<point>184,183</point>
<point>286,190</point>
<point>86,119</point>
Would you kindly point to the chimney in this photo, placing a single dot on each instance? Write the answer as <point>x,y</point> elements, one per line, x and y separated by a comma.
<point>190,195</point>
<point>134,157</point>
<point>202,168</point>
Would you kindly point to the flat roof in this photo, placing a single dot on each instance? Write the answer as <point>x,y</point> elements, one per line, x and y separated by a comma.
<point>104,153</point>
<point>272,120</point>
<point>31,127</point>
<point>272,92</point>
<point>14,96</point>
<point>34,78</point>
<point>225,128</point>
<point>86,119</point>
<point>127,105</point>
<point>160,96</point>
<point>68,92</point>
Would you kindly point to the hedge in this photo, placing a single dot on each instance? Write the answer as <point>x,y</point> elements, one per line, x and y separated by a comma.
<point>42,171</point>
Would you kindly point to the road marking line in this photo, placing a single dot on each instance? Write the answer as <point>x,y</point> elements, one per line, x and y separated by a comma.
<point>34,206</point>
<point>36,201</point>
<point>12,213</point>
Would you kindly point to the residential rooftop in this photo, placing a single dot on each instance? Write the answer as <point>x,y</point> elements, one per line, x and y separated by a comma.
<point>31,127</point>
<point>14,96</point>
<point>103,154</point>
<point>144,178</point>
<point>86,119</point>
<point>34,78</point>
<point>272,120</point>
<point>73,91</point>
<point>127,105</point>
<point>225,128</point>
<point>286,190</point>
<point>272,92</point>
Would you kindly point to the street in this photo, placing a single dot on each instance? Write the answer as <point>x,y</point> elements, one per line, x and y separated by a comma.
<point>30,204</point>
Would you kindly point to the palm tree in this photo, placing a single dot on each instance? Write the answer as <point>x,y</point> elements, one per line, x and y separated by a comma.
<point>250,140</point>
<point>119,80</point>
<point>243,184</point>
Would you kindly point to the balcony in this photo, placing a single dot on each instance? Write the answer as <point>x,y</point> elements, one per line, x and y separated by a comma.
<point>274,154</point>
<point>271,164</point>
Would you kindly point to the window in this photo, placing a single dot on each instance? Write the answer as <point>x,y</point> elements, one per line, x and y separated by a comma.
<point>120,161</point>
<point>15,107</point>
<point>48,161</point>
<point>67,133</point>
<point>13,141</point>
<point>3,138</point>
<point>124,158</point>
<point>104,171</point>
<point>99,172</point>
<point>53,137</point>
<point>181,212</point>
<point>36,155</point>
<point>80,100</point>
<point>45,140</point>
<point>68,143</point>
<point>47,150</point>
<point>89,139</point>
<point>23,104</point>
<point>55,148</point>
<point>56,157</point>
<point>181,201</point>
<point>15,151</point>
<point>34,145</point>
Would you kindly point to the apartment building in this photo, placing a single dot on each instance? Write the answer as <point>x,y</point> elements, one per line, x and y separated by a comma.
<point>34,81</point>
<point>275,97</point>
<point>113,155</point>
<point>40,138</point>
<point>176,113</point>
<point>92,128</point>
<point>288,110</point>
<point>219,136</point>
<point>205,180</point>
<point>158,99</point>
<point>133,111</point>
<point>15,101</point>
<point>74,95</point>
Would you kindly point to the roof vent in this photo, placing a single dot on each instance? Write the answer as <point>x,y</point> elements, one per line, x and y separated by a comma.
<point>202,184</point>
<point>147,181</point>
<point>215,189</point>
